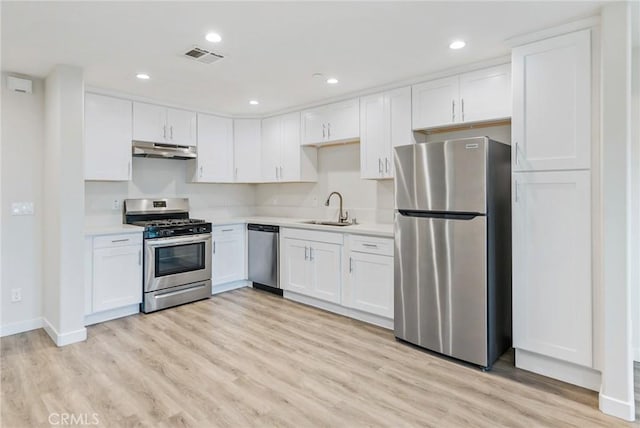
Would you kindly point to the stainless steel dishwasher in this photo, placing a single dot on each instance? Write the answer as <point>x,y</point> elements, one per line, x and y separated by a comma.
<point>264,257</point>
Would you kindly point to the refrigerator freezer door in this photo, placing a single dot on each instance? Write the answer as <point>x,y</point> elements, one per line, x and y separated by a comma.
<point>442,176</point>
<point>441,285</point>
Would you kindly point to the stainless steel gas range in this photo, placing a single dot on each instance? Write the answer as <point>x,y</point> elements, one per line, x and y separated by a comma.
<point>177,252</point>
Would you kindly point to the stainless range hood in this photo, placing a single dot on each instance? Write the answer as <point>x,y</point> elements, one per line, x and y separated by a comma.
<point>164,151</point>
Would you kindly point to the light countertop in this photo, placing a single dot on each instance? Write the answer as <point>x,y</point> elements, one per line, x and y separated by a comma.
<point>112,229</point>
<point>373,229</point>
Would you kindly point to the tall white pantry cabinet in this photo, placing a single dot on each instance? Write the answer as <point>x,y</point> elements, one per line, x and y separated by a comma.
<point>551,200</point>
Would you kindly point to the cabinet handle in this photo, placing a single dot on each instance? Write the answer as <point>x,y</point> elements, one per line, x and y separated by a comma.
<point>380,165</point>
<point>164,132</point>
<point>517,147</point>
<point>276,173</point>
<point>453,110</point>
<point>386,164</point>
<point>350,265</point>
<point>305,253</point>
<point>120,240</point>
<point>227,230</point>
<point>364,244</point>
<point>139,257</point>
<point>200,171</point>
<point>323,126</point>
<point>329,130</point>
<point>517,186</point>
<point>462,106</point>
<point>235,173</point>
<point>214,247</point>
<point>310,254</point>
<point>129,170</point>
<point>171,129</point>
<point>280,173</point>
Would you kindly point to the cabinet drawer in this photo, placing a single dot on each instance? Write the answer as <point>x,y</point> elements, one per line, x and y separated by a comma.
<point>117,240</point>
<point>371,245</point>
<point>228,229</point>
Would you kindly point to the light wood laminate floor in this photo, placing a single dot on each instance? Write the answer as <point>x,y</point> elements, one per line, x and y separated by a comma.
<point>247,358</point>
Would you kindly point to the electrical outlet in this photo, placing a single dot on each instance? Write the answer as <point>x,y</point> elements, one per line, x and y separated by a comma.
<point>16,294</point>
<point>116,205</point>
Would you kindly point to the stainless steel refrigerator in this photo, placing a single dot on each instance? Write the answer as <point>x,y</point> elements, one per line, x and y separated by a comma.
<point>453,247</point>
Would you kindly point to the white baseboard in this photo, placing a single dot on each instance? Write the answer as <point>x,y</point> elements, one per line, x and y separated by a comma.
<point>341,310</point>
<point>561,370</point>
<point>217,289</point>
<point>112,314</point>
<point>63,339</point>
<point>20,327</point>
<point>614,407</point>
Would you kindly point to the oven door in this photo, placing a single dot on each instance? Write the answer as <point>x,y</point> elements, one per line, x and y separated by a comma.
<point>170,262</point>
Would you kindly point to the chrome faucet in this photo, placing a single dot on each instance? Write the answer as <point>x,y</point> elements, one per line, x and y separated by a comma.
<point>342,218</point>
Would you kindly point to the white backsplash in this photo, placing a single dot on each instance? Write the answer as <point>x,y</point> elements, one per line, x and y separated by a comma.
<point>370,201</point>
<point>153,178</point>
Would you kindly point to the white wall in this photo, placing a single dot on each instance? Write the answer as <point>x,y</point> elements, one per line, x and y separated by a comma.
<point>63,228</point>
<point>21,181</point>
<point>635,178</point>
<point>166,178</point>
<point>338,170</point>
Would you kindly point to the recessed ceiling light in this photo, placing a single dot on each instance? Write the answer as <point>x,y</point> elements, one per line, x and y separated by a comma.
<point>142,76</point>
<point>254,102</point>
<point>317,75</point>
<point>458,44</point>
<point>213,37</point>
<point>332,80</point>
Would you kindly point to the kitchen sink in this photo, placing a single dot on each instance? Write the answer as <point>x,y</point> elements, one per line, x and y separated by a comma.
<point>327,222</point>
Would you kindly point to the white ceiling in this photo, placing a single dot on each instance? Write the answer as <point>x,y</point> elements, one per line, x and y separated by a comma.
<point>271,48</point>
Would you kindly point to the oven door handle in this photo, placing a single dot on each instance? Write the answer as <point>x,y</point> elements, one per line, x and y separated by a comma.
<point>193,239</point>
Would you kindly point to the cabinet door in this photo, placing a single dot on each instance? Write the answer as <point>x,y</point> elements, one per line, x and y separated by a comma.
<point>314,126</point>
<point>291,161</point>
<point>435,103</point>
<point>374,136</point>
<point>551,125</point>
<point>181,127</point>
<point>552,265</point>
<point>215,149</point>
<point>326,271</point>
<point>486,94</point>
<point>117,277</point>
<point>343,121</point>
<point>228,260</point>
<point>371,283</point>
<point>150,123</point>
<point>271,149</point>
<point>247,150</point>
<point>398,107</point>
<point>107,132</point>
<point>295,267</point>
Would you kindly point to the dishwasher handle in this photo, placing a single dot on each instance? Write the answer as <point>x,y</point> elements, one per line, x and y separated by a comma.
<point>263,228</point>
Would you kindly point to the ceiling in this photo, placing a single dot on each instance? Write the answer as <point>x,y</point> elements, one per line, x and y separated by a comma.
<point>271,48</point>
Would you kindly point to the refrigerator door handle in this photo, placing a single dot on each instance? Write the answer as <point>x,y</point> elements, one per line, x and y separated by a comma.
<point>442,215</point>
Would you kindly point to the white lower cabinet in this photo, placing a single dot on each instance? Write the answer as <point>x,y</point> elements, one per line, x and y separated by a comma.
<point>114,279</point>
<point>552,290</point>
<point>229,254</point>
<point>310,264</point>
<point>369,287</point>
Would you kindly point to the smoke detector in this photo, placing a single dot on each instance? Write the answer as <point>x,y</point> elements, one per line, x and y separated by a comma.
<point>202,55</point>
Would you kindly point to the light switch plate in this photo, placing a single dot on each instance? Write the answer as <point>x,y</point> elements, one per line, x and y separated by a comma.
<point>22,208</point>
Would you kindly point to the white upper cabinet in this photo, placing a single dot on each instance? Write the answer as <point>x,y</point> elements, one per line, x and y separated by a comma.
<point>181,127</point>
<point>435,103</point>
<point>478,96</point>
<point>385,122</point>
<point>552,291</point>
<point>551,128</point>
<point>247,144</point>
<point>283,158</point>
<point>160,124</point>
<point>107,131</point>
<point>214,163</point>
<point>486,94</point>
<point>338,122</point>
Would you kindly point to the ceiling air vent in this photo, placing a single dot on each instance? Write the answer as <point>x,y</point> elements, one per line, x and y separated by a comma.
<point>202,55</point>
